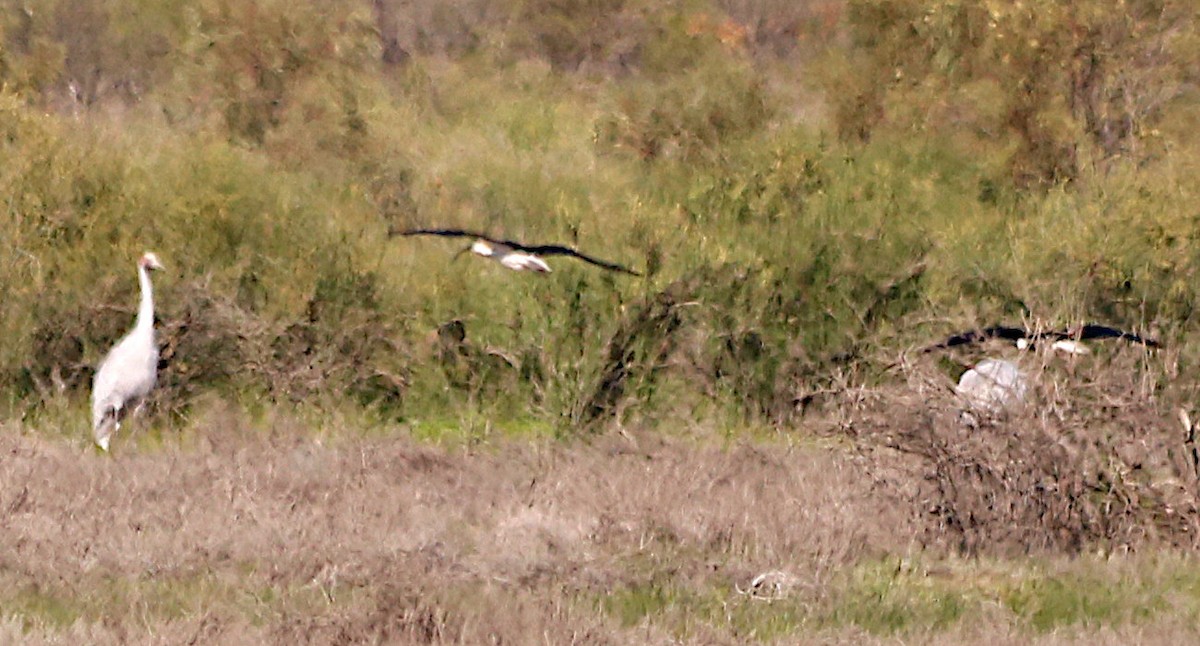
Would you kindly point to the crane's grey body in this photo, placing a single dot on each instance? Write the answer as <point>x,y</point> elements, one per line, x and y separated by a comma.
<point>993,386</point>
<point>129,371</point>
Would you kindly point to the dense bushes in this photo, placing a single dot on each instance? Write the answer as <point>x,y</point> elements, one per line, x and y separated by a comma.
<point>1062,86</point>
<point>264,148</point>
<point>248,262</point>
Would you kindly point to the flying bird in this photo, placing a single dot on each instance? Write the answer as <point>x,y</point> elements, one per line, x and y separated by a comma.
<point>512,254</point>
<point>1068,340</point>
<point>128,372</point>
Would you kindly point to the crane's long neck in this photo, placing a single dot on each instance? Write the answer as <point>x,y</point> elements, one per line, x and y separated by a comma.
<point>145,317</point>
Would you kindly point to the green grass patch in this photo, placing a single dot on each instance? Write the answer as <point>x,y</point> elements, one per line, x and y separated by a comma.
<point>902,597</point>
<point>687,612</point>
<point>474,428</point>
<point>36,606</point>
<point>884,601</point>
<point>161,598</point>
<point>897,598</point>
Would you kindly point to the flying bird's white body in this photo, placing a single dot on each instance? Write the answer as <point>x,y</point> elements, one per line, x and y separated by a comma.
<point>128,372</point>
<point>1069,346</point>
<point>1065,346</point>
<point>510,258</point>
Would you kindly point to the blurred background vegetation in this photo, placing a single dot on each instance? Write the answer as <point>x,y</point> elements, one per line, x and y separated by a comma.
<point>811,187</point>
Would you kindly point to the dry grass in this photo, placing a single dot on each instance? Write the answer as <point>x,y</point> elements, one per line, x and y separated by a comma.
<point>247,531</point>
<point>269,534</point>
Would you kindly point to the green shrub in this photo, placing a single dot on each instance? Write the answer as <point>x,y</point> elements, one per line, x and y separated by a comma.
<point>263,149</point>
<point>1072,84</point>
<point>690,117</point>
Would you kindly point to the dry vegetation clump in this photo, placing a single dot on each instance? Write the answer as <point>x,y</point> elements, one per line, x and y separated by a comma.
<point>1096,458</point>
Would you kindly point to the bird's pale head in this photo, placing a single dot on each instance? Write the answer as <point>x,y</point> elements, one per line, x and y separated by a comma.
<point>149,261</point>
<point>482,248</point>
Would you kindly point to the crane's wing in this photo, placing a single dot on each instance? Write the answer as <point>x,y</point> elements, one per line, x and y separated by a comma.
<point>560,250</point>
<point>979,336</point>
<point>445,233</point>
<point>1092,331</point>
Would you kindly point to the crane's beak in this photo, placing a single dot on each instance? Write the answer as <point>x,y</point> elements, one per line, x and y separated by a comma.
<point>461,252</point>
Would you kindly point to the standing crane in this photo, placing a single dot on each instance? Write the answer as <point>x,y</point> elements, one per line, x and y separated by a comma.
<point>128,372</point>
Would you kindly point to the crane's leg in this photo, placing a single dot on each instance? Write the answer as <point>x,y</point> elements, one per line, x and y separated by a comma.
<point>108,426</point>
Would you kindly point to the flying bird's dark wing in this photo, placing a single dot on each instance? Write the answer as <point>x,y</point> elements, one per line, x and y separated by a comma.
<point>559,250</point>
<point>1091,331</point>
<point>446,233</point>
<point>1005,332</point>
<point>1015,334</point>
<point>979,336</point>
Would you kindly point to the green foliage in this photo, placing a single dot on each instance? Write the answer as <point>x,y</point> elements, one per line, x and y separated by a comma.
<point>690,116</point>
<point>269,65</point>
<point>1070,84</point>
<point>888,603</point>
<point>567,33</point>
<point>264,148</point>
<point>888,599</point>
<point>893,599</point>
<point>88,201</point>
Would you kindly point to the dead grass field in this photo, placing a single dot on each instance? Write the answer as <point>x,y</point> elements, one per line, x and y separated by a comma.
<point>270,533</point>
<point>244,537</point>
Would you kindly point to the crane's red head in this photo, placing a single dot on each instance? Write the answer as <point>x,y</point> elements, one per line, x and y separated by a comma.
<point>149,261</point>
